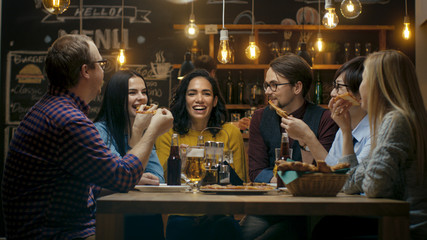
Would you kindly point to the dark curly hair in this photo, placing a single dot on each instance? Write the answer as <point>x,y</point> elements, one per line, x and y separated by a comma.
<point>181,122</point>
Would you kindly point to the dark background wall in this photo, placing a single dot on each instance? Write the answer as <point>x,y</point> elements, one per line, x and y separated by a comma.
<point>27,31</point>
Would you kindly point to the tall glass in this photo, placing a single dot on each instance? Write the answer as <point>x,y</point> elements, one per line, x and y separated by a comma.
<point>195,169</point>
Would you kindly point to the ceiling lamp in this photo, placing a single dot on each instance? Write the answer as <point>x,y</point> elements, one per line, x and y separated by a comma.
<point>252,51</point>
<point>330,20</point>
<point>224,51</point>
<point>351,8</point>
<point>192,30</point>
<point>406,32</point>
<point>121,58</point>
<point>56,6</point>
<point>319,41</point>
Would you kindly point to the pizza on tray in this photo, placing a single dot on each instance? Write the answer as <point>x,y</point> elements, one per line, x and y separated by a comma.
<point>246,186</point>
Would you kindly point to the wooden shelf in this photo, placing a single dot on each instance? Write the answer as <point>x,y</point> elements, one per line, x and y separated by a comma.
<point>296,27</point>
<point>265,66</point>
<point>381,29</point>
<point>238,106</point>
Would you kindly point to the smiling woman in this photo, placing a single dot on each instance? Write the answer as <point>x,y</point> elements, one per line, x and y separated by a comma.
<point>196,104</point>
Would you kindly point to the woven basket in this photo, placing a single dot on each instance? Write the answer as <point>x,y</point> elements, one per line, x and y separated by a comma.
<point>317,184</point>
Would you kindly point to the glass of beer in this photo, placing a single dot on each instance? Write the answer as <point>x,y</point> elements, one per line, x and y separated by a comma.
<point>195,169</point>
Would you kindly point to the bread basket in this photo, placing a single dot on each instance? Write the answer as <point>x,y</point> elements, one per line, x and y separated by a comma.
<point>317,184</point>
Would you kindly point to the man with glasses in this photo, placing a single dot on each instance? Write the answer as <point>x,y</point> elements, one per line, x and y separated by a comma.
<point>286,84</point>
<point>349,117</point>
<point>57,162</point>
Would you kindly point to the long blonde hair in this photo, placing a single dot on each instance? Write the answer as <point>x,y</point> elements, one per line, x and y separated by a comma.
<point>393,86</point>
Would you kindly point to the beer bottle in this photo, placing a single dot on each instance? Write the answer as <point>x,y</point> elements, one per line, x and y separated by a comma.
<point>284,147</point>
<point>174,163</point>
<point>284,154</point>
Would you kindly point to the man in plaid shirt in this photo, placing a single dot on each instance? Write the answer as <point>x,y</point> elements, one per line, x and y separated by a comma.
<point>57,162</point>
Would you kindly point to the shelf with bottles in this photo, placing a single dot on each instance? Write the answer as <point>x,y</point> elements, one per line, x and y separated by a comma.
<point>265,66</point>
<point>380,29</point>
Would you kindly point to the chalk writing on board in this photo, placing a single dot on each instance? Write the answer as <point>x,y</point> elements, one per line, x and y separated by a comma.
<point>159,89</point>
<point>131,13</point>
<point>25,83</point>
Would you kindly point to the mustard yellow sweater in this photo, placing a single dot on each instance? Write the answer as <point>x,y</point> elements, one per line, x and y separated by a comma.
<point>235,142</point>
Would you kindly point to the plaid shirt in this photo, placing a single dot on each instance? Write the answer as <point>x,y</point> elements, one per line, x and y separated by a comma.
<point>55,163</point>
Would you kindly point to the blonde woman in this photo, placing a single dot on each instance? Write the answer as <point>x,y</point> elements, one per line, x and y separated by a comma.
<point>396,167</point>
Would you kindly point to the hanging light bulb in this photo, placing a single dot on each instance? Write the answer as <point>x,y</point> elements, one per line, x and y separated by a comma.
<point>56,6</point>
<point>252,51</point>
<point>351,8</point>
<point>121,58</point>
<point>319,42</point>
<point>406,32</point>
<point>224,51</point>
<point>192,30</point>
<point>330,19</point>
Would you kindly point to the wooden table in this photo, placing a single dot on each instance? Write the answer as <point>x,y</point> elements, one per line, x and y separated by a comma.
<point>393,215</point>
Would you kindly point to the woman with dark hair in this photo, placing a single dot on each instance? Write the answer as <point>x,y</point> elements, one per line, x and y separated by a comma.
<point>197,104</point>
<point>125,93</point>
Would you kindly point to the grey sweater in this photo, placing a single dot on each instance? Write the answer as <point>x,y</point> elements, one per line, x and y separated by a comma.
<point>390,172</point>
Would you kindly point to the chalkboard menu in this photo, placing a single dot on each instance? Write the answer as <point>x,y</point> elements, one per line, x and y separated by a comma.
<point>25,83</point>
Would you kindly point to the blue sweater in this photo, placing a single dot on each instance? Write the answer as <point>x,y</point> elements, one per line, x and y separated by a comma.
<point>153,165</point>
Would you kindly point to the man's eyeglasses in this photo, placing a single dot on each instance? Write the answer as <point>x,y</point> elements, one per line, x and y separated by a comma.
<point>102,63</point>
<point>272,85</point>
<point>337,86</point>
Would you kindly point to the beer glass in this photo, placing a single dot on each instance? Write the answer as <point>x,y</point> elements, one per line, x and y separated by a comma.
<point>195,169</point>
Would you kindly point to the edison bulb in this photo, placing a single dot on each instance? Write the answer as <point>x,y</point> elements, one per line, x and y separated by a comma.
<point>252,51</point>
<point>224,51</point>
<point>56,6</point>
<point>319,43</point>
<point>406,32</point>
<point>121,58</point>
<point>191,30</point>
<point>330,19</point>
<point>351,8</point>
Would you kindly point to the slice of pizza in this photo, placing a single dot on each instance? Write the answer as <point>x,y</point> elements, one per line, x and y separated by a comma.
<point>279,111</point>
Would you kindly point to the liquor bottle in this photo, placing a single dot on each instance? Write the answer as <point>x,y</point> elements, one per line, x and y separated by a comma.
<point>284,147</point>
<point>256,94</point>
<point>174,163</point>
<point>319,90</point>
<point>240,89</point>
<point>229,89</point>
<point>357,49</point>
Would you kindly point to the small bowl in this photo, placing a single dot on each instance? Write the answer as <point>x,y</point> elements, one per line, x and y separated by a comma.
<point>317,184</point>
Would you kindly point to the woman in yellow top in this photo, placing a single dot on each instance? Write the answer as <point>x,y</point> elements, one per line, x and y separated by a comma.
<point>197,103</point>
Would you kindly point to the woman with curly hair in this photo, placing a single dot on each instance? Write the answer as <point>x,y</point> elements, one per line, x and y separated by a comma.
<point>197,104</point>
